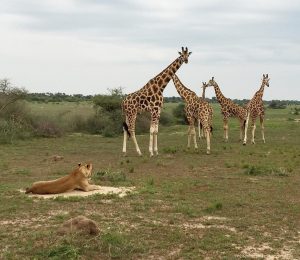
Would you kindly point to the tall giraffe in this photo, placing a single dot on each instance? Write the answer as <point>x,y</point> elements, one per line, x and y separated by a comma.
<point>255,108</point>
<point>229,109</point>
<point>196,108</point>
<point>149,98</point>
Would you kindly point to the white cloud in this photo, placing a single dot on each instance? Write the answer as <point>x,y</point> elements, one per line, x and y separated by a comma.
<point>87,46</point>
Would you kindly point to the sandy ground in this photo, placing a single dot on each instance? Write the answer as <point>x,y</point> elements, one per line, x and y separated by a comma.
<point>121,191</point>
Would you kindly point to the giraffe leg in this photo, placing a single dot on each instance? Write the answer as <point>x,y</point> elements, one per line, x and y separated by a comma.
<point>193,134</point>
<point>200,130</point>
<point>242,130</point>
<point>130,121</point>
<point>124,142</point>
<point>246,128</point>
<point>191,128</point>
<point>207,132</point>
<point>136,144</point>
<point>189,137</point>
<point>207,141</point>
<point>155,139</point>
<point>253,125</point>
<point>225,126</point>
<point>262,127</point>
<point>152,129</point>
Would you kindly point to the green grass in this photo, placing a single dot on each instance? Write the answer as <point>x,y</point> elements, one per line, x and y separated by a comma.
<point>188,205</point>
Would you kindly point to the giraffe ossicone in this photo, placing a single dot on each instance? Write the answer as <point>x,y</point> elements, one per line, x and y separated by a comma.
<point>149,98</point>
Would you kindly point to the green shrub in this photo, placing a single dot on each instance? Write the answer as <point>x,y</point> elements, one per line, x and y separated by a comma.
<point>277,104</point>
<point>48,129</point>
<point>112,176</point>
<point>179,114</point>
<point>256,170</point>
<point>12,129</point>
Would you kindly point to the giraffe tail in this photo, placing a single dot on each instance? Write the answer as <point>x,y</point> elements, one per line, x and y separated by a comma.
<point>125,128</point>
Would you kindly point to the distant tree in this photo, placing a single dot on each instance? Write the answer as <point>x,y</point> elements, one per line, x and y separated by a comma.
<point>277,104</point>
<point>9,94</point>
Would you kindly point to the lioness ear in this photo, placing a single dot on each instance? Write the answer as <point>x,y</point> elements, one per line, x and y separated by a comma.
<point>79,164</point>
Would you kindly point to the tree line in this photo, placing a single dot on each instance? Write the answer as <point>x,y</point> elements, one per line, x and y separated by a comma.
<point>17,122</point>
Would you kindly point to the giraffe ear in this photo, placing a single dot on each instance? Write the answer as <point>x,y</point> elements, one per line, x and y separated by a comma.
<point>179,53</point>
<point>190,53</point>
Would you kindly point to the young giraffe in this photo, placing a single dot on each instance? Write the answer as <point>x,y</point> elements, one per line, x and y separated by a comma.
<point>149,98</point>
<point>200,128</point>
<point>229,109</point>
<point>196,108</point>
<point>255,108</point>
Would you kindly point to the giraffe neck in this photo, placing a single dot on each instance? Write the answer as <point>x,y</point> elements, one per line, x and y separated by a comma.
<point>183,91</point>
<point>220,97</point>
<point>164,77</point>
<point>203,93</point>
<point>260,92</point>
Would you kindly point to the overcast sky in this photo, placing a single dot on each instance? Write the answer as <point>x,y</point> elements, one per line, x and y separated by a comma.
<point>88,46</point>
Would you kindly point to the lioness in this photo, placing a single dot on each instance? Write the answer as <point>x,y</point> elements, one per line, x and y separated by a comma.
<point>77,179</point>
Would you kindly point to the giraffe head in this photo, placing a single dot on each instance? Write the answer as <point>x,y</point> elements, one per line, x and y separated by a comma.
<point>211,82</point>
<point>184,54</point>
<point>265,80</point>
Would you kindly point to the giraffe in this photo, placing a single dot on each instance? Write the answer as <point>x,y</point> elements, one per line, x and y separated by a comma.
<point>200,128</point>
<point>196,108</point>
<point>229,109</point>
<point>255,108</point>
<point>149,98</point>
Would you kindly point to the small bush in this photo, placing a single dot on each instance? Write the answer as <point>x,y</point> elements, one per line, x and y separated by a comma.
<point>277,104</point>
<point>214,207</point>
<point>108,175</point>
<point>256,170</point>
<point>11,129</point>
<point>179,114</point>
<point>170,149</point>
<point>48,129</point>
<point>165,119</point>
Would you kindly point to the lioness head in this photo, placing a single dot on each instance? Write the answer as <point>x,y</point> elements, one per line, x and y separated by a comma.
<point>85,169</point>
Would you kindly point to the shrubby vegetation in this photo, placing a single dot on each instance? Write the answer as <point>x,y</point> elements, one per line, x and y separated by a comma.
<point>105,117</point>
<point>277,104</point>
<point>14,122</point>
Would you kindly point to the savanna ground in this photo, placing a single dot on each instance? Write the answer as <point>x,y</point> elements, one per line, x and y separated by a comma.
<point>240,202</point>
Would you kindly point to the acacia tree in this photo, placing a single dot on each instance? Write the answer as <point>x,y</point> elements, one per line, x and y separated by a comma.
<point>9,94</point>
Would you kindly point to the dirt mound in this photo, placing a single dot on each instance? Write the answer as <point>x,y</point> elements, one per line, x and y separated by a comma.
<point>79,224</point>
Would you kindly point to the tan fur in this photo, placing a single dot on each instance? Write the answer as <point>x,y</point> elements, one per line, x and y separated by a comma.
<point>77,179</point>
